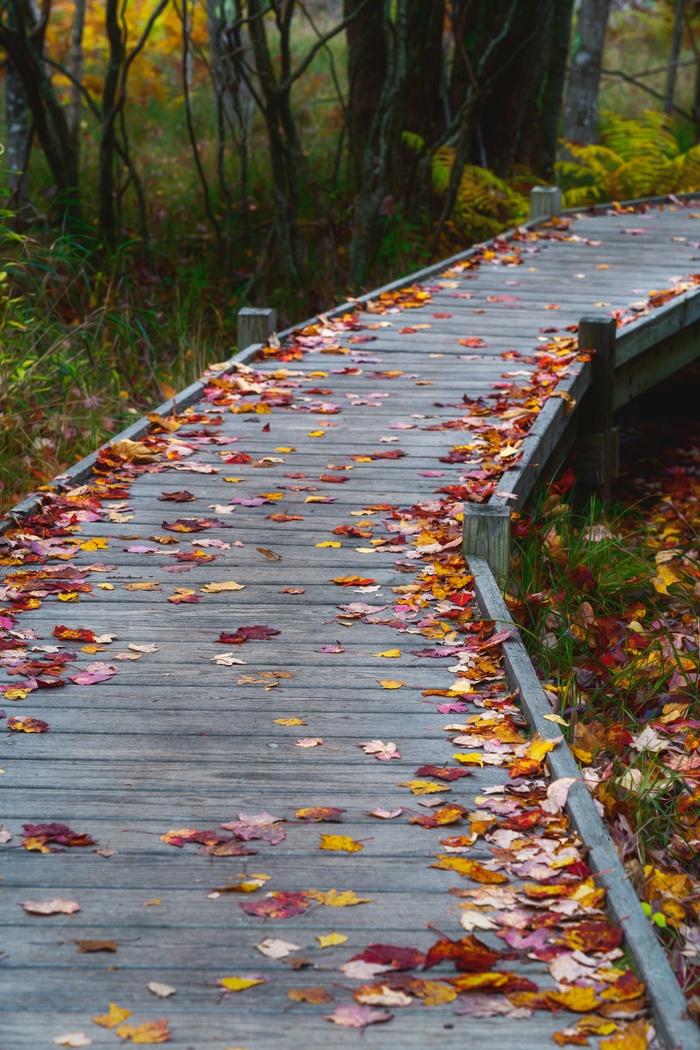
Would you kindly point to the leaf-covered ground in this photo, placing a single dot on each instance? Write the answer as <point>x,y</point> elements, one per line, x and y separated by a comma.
<point>610,599</point>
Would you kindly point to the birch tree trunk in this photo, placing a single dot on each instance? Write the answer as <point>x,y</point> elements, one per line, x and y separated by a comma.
<point>75,68</point>
<point>581,106</point>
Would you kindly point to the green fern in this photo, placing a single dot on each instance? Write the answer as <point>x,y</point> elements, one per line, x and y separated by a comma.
<point>485,204</point>
<point>635,158</point>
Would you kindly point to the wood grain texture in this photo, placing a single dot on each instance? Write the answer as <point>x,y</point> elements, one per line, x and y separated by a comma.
<point>176,741</point>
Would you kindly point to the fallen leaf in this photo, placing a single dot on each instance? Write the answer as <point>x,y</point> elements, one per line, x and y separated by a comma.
<point>240,984</point>
<point>329,940</point>
<point>163,991</point>
<point>74,1039</point>
<point>309,741</point>
<point>218,588</point>
<point>351,1016</point>
<point>57,906</point>
<point>385,814</point>
<point>290,721</point>
<point>275,948</point>
<point>310,995</point>
<point>380,750</point>
<point>317,813</point>
<point>340,843</point>
<point>390,654</point>
<point>116,1015</point>
<point>25,724</point>
<point>338,898</point>
<point>471,868</point>
<point>422,787</point>
<point>95,946</point>
<point>388,683</point>
<point>149,1032</point>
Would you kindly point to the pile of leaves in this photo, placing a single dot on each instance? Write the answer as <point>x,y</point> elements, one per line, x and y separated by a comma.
<point>609,600</point>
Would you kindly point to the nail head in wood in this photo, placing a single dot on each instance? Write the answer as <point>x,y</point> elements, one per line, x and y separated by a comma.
<point>486,534</point>
<point>545,202</point>
<point>255,325</point>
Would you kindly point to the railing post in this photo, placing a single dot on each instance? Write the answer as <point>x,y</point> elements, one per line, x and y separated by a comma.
<point>599,445</point>
<point>255,325</point>
<point>545,202</point>
<point>486,534</point>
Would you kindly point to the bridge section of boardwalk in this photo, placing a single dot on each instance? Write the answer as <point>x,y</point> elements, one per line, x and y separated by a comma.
<point>175,741</point>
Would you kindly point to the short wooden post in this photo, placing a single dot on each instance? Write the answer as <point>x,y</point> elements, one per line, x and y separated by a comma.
<point>545,202</point>
<point>486,534</point>
<point>255,325</point>
<point>599,448</point>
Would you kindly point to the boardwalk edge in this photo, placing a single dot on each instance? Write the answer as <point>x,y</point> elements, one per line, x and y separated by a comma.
<point>674,1026</point>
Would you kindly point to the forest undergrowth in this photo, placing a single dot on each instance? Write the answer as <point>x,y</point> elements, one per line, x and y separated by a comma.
<point>607,595</point>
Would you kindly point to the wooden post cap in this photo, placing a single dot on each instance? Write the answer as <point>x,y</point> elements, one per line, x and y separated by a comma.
<point>545,202</point>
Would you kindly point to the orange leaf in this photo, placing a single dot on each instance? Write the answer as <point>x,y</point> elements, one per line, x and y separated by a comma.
<point>116,1015</point>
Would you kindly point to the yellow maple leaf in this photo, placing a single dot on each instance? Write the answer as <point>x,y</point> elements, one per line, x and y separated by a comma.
<point>217,588</point>
<point>340,842</point>
<point>328,940</point>
<point>238,984</point>
<point>665,576</point>
<point>328,543</point>
<point>149,585</point>
<point>470,868</point>
<point>133,451</point>
<point>338,898</point>
<point>433,993</point>
<point>390,654</point>
<point>317,433</point>
<point>423,787</point>
<point>98,543</point>
<point>116,1015</point>
<point>538,747</point>
<point>388,683</point>
<point>472,759</point>
<point>556,718</point>
<point>16,693</point>
<point>632,1037</point>
<point>290,722</point>
<point>149,1032</point>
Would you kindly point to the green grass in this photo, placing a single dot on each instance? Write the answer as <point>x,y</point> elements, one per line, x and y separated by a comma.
<point>607,643</point>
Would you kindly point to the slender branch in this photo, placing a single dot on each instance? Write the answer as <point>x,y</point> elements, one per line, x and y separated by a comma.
<point>145,34</point>
<point>190,125</point>
<point>321,43</point>
<point>645,87</point>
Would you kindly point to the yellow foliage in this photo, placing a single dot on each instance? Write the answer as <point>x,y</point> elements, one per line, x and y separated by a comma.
<point>634,158</point>
<point>485,204</point>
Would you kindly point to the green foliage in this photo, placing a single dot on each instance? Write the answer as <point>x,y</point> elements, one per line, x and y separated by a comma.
<point>635,158</point>
<point>485,204</point>
<point>83,352</point>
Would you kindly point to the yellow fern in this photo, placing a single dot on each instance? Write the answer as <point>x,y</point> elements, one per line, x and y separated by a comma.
<point>635,158</point>
<point>485,204</point>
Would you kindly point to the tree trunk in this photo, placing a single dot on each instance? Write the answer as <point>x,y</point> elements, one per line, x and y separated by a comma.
<point>507,81</point>
<point>581,107</point>
<point>22,39</point>
<point>17,121</point>
<point>381,160</point>
<point>676,40</point>
<point>110,104</point>
<point>423,105</point>
<point>367,62</point>
<point>286,155</point>
<point>75,68</point>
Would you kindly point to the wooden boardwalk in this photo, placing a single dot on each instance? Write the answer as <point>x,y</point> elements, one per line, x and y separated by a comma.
<point>359,418</point>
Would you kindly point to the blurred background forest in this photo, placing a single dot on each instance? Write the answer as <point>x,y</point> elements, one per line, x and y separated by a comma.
<point>169,161</point>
